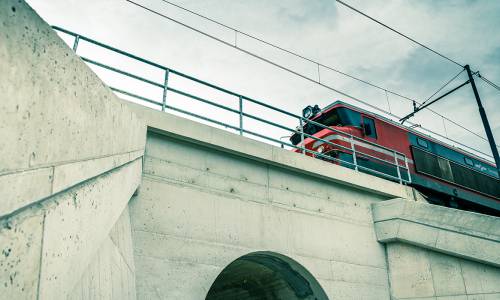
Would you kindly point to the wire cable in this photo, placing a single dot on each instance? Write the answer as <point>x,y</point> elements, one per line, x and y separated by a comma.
<point>488,81</point>
<point>399,33</point>
<point>289,51</point>
<point>443,86</point>
<point>295,72</point>
<point>411,39</point>
<point>237,31</point>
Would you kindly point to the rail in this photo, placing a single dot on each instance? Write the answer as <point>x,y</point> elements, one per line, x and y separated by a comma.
<point>398,163</point>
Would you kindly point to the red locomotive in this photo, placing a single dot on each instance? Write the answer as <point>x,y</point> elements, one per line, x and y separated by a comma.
<point>349,136</point>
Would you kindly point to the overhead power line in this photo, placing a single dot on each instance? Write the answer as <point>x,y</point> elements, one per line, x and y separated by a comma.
<point>414,41</point>
<point>442,87</point>
<point>295,72</point>
<point>399,33</point>
<point>488,81</point>
<point>237,31</point>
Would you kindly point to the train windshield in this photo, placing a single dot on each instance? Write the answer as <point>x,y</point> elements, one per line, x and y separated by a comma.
<point>336,117</point>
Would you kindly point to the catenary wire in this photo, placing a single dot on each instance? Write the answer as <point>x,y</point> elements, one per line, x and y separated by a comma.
<point>488,81</point>
<point>399,33</point>
<point>412,40</point>
<point>332,68</point>
<point>296,73</point>
<point>442,87</point>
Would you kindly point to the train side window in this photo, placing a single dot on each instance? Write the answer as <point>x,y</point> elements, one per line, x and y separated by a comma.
<point>422,142</point>
<point>369,127</point>
<point>468,161</point>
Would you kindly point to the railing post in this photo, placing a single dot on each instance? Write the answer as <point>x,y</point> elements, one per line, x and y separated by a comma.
<point>354,159</point>
<point>301,123</point>
<point>241,115</point>
<point>397,166</point>
<point>165,89</point>
<point>407,169</point>
<point>75,43</point>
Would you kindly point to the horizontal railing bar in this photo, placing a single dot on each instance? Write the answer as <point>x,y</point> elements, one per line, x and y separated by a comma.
<point>398,155</point>
<point>377,158</point>
<point>268,122</point>
<point>205,83</point>
<point>382,174</point>
<point>82,37</point>
<point>293,130</point>
<point>294,146</point>
<point>350,135</point>
<point>135,96</point>
<point>328,142</point>
<point>271,107</point>
<point>121,72</point>
<point>201,117</point>
<point>203,100</point>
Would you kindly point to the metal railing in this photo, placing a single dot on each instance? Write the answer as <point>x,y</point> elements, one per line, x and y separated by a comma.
<point>398,160</point>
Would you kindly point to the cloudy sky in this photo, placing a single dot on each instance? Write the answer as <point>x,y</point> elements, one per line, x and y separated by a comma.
<point>323,30</point>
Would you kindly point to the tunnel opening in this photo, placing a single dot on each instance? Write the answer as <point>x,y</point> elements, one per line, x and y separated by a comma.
<point>267,276</point>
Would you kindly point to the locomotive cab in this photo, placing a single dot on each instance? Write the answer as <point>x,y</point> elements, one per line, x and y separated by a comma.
<point>338,119</point>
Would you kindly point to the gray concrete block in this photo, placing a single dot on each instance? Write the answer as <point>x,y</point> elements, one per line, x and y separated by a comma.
<point>164,279</point>
<point>40,75</point>
<point>23,188</point>
<point>67,175</point>
<point>441,229</point>
<point>446,274</point>
<point>409,271</point>
<point>69,242</point>
<point>342,271</point>
<point>469,246</point>
<point>175,210</point>
<point>121,235</point>
<point>347,290</point>
<point>20,250</point>
<point>480,278</point>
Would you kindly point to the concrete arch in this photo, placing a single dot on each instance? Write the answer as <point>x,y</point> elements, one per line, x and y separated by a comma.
<point>265,275</point>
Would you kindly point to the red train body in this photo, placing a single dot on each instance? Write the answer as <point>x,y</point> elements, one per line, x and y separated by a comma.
<point>445,174</point>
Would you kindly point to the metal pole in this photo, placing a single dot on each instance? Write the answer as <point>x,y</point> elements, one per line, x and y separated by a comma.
<point>75,43</point>
<point>354,159</point>
<point>302,136</point>
<point>407,169</point>
<point>397,167</point>
<point>241,116</point>
<point>165,88</point>
<point>486,124</point>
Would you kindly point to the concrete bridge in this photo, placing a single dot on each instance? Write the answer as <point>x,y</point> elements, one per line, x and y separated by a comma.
<point>104,199</point>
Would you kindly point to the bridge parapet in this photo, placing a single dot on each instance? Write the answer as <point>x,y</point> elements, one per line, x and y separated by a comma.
<point>437,251</point>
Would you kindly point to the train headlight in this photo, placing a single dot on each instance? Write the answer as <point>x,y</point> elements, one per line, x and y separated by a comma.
<point>320,149</point>
<point>307,112</point>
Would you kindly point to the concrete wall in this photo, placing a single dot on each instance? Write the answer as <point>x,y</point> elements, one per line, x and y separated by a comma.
<point>111,274</point>
<point>418,273</point>
<point>71,160</point>
<point>203,203</point>
<point>439,253</point>
<point>60,124</point>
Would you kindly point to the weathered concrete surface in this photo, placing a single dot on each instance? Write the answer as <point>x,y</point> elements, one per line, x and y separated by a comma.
<point>111,274</point>
<point>71,160</point>
<point>417,273</point>
<point>435,252</point>
<point>47,247</point>
<point>76,227</point>
<point>227,142</point>
<point>203,204</point>
<point>455,232</point>
<point>60,124</point>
